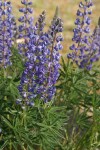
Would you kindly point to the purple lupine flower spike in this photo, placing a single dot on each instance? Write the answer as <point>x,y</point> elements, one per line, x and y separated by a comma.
<point>54,56</point>
<point>30,80</point>
<point>6,33</point>
<point>81,47</point>
<point>26,21</point>
<point>42,66</point>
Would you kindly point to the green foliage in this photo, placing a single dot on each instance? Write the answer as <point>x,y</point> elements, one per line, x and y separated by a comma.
<point>37,127</point>
<point>69,122</point>
<point>79,90</point>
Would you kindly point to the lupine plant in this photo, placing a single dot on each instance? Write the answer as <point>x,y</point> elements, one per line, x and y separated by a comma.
<point>6,33</point>
<point>24,28</point>
<point>45,104</point>
<point>85,50</point>
<point>42,61</point>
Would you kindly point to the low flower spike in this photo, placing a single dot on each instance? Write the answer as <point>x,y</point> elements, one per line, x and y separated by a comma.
<point>81,48</point>
<point>41,69</point>
<point>26,22</point>
<point>6,33</point>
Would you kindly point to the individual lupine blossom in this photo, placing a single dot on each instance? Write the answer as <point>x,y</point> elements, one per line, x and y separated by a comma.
<point>81,47</point>
<point>6,33</point>
<point>26,21</point>
<point>41,71</point>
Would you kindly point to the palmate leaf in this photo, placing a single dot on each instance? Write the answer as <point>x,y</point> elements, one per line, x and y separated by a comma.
<point>46,129</point>
<point>22,137</point>
<point>4,145</point>
<point>14,145</point>
<point>65,66</point>
<point>7,122</point>
<point>8,94</point>
<point>16,59</point>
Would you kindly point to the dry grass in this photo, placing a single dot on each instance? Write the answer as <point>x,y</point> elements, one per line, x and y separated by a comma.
<point>67,11</point>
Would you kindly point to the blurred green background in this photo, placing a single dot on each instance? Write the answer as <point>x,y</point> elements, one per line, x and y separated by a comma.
<point>67,11</point>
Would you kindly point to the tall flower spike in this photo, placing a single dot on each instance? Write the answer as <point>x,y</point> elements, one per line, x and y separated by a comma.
<point>81,47</point>
<point>6,33</point>
<point>26,22</point>
<point>30,80</point>
<point>54,56</point>
<point>41,69</point>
